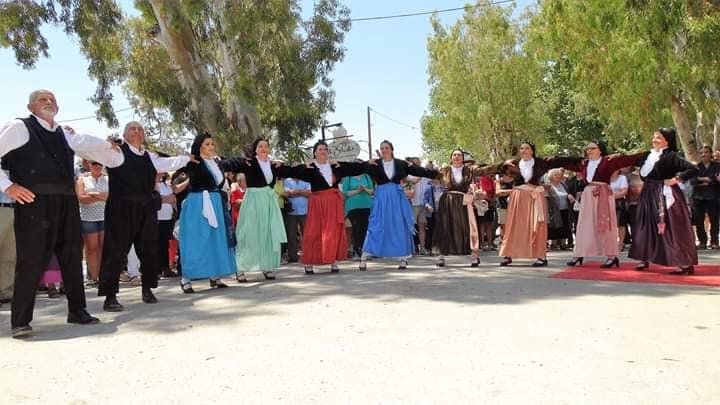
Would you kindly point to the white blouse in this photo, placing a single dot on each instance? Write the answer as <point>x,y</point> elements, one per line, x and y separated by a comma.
<point>214,170</point>
<point>591,168</point>
<point>326,172</point>
<point>266,168</point>
<point>457,174</point>
<point>389,169</point>
<point>526,168</point>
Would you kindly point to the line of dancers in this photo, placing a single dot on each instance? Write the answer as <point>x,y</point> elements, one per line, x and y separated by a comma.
<point>37,159</point>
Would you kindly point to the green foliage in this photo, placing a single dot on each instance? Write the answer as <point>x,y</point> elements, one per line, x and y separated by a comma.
<point>483,86</point>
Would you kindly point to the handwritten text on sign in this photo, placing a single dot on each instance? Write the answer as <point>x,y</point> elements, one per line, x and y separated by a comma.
<point>344,150</point>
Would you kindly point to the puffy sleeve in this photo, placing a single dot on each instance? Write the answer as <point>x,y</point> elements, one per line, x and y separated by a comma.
<point>566,162</point>
<point>418,171</point>
<point>619,161</point>
<point>348,169</point>
<point>684,169</point>
<point>234,165</point>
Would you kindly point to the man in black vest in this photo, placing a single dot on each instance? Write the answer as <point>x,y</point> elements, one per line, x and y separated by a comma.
<point>37,157</point>
<point>131,211</point>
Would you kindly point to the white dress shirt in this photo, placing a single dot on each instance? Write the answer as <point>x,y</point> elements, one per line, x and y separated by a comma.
<point>14,134</point>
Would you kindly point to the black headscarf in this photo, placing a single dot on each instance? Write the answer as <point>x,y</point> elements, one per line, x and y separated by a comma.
<point>670,135</point>
<point>251,150</point>
<point>197,142</point>
<point>601,145</point>
<point>317,145</point>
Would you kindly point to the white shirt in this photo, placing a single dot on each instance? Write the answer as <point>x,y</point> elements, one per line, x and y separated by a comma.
<point>5,199</point>
<point>266,168</point>
<point>619,183</point>
<point>591,169</point>
<point>420,184</point>
<point>165,213</point>
<point>457,174</point>
<point>649,164</point>
<point>14,134</point>
<point>526,168</point>
<point>214,169</point>
<point>326,172</point>
<point>389,169</point>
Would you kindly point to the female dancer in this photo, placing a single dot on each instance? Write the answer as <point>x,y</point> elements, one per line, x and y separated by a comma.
<point>526,222</point>
<point>456,229</point>
<point>391,227</point>
<point>597,227</point>
<point>260,229</point>
<point>663,231</point>
<point>324,238</point>
<point>207,243</point>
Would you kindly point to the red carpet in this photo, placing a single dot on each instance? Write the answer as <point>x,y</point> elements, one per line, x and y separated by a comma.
<point>705,274</point>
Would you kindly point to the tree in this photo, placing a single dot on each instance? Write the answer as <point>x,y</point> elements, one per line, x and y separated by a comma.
<point>238,69</point>
<point>483,86</point>
<point>641,62</point>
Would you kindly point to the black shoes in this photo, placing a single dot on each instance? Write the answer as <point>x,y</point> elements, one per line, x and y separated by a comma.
<point>217,284</point>
<point>111,304</point>
<point>269,275</point>
<point>540,263</point>
<point>148,297</point>
<point>334,269</point>
<point>575,261</point>
<point>309,270</point>
<point>187,288</point>
<point>440,262</point>
<point>20,332</point>
<point>475,262</point>
<point>82,317</point>
<point>684,271</point>
<point>402,265</point>
<point>505,261</point>
<point>642,266</point>
<point>363,265</point>
<point>611,262</point>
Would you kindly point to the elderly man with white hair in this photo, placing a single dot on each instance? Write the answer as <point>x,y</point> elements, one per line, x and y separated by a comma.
<point>131,210</point>
<point>37,172</point>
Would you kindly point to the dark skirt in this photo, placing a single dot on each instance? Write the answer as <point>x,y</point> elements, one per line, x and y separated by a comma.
<point>621,212</point>
<point>676,245</point>
<point>451,235</point>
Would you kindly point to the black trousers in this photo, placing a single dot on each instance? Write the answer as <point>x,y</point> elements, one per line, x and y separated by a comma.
<point>294,226</point>
<point>127,223</point>
<point>165,230</point>
<point>359,219</point>
<point>712,209</point>
<point>50,225</point>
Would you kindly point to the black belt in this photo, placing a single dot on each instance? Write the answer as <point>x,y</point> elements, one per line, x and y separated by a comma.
<point>7,205</point>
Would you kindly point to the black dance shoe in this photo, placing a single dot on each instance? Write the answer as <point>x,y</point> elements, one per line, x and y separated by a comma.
<point>402,265</point>
<point>148,297</point>
<point>82,317</point>
<point>475,262</point>
<point>611,262</point>
<point>505,261</point>
<point>575,261</point>
<point>440,262</point>
<point>187,288</point>
<point>217,284</point>
<point>269,275</point>
<point>363,265</point>
<point>684,271</point>
<point>334,269</point>
<point>309,270</point>
<point>540,263</point>
<point>111,304</point>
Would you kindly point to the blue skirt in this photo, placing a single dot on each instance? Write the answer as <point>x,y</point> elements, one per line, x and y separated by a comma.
<point>204,251</point>
<point>392,225</point>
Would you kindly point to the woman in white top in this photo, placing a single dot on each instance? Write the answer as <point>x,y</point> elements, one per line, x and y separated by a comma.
<point>92,192</point>
<point>166,222</point>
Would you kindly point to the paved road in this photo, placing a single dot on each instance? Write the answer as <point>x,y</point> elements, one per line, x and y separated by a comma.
<point>423,335</point>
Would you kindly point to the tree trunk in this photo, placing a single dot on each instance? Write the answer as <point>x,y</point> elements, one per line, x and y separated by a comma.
<point>682,124</point>
<point>716,132</point>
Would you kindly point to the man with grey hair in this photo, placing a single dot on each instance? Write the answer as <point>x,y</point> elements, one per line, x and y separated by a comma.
<point>37,173</point>
<point>131,211</point>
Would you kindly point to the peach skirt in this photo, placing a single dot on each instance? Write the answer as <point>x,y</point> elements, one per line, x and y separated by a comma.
<point>590,241</point>
<point>526,224</point>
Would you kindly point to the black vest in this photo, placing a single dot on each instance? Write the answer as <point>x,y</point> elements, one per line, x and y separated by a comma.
<point>45,163</point>
<point>134,179</point>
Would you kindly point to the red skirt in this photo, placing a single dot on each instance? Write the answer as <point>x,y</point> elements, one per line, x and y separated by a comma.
<point>324,240</point>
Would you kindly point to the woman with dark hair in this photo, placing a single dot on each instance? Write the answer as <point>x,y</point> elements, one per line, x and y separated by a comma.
<point>206,239</point>
<point>663,231</point>
<point>391,227</point>
<point>456,229</point>
<point>597,227</point>
<point>526,227</point>
<point>324,238</point>
<point>260,228</point>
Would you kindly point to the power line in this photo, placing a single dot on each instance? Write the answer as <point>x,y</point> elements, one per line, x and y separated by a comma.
<point>447,10</point>
<point>414,128</point>
<point>92,116</point>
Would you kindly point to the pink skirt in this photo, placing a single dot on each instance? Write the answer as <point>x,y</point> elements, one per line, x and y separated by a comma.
<point>52,274</point>
<point>590,241</point>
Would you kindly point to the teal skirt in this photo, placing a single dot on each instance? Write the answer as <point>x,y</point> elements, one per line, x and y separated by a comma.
<point>260,231</point>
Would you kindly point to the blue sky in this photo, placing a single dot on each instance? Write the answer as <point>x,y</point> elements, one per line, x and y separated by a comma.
<point>385,67</point>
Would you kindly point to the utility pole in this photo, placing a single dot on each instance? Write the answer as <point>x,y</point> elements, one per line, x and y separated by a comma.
<point>370,150</point>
